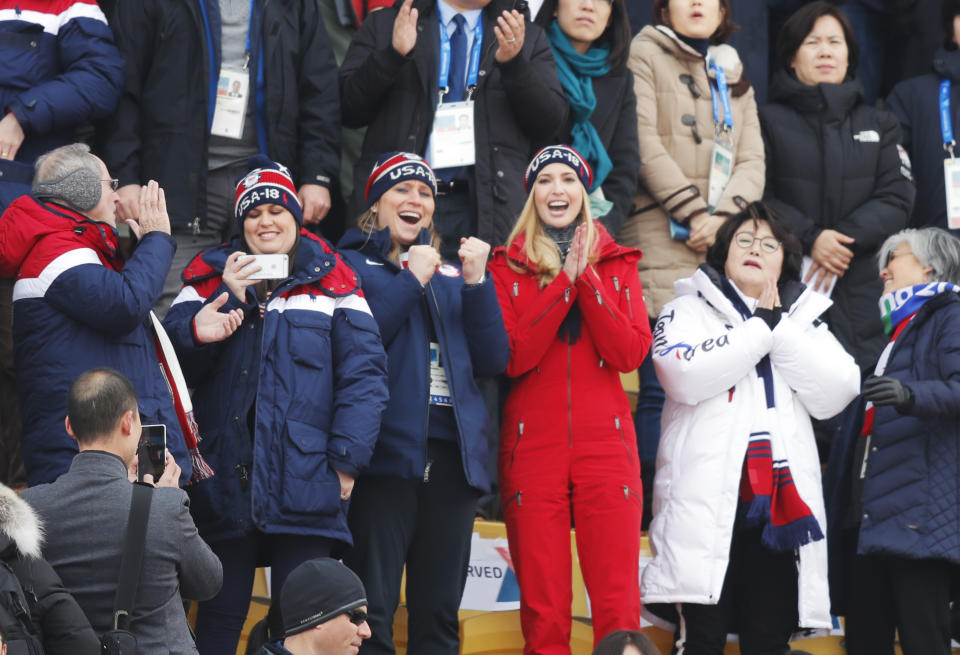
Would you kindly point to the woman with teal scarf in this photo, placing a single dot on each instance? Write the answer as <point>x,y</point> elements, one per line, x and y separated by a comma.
<point>590,42</point>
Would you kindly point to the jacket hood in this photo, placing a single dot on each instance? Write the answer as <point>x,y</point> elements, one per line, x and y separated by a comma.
<point>20,527</point>
<point>606,246</point>
<point>27,220</point>
<point>310,254</point>
<point>798,300</point>
<point>946,63</point>
<point>723,55</point>
<point>833,100</point>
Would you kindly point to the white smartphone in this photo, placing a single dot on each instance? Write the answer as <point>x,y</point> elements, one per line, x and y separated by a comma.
<point>272,267</point>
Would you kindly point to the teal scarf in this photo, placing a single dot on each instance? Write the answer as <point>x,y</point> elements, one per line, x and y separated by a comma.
<point>576,72</point>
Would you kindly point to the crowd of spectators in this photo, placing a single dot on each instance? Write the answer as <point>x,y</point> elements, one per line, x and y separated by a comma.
<point>374,266</point>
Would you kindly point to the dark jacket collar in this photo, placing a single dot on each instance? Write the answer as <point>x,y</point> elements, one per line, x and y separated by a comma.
<point>832,101</point>
<point>946,63</point>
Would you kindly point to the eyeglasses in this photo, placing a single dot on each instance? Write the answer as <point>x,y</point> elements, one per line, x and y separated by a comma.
<point>114,183</point>
<point>894,253</point>
<point>746,240</point>
<point>357,617</point>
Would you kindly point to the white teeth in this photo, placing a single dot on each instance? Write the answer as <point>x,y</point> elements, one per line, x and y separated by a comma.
<point>558,204</point>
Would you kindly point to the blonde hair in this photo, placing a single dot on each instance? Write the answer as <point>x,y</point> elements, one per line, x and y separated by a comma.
<point>368,224</point>
<point>540,249</point>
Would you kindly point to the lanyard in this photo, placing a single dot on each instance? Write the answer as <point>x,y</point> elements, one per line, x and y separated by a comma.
<point>246,58</point>
<point>724,94</point>
<point>946,123</point>
<point>474,67</point>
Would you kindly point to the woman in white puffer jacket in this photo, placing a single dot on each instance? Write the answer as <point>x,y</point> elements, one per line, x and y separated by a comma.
<point>738,499</point>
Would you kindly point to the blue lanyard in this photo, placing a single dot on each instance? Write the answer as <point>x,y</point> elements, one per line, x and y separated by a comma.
<point>946,123</point>
<point>474,67</point>
<point>246,60</point>
<point>724,92</point>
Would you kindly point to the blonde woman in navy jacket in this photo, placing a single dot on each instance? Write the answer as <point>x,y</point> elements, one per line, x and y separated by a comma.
<point>441,325</point>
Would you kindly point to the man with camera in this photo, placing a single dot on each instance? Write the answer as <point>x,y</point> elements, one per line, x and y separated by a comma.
<point>78,303</point>
<point>86,512</point>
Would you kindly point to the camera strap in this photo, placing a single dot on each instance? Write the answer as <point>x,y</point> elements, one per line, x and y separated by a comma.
<point>131,562</point>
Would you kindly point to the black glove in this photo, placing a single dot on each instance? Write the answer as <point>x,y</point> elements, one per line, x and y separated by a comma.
<point>770,316</point>
<point>888,391</point>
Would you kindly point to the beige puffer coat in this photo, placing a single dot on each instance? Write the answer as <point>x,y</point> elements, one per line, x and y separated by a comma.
<point>675,169</point>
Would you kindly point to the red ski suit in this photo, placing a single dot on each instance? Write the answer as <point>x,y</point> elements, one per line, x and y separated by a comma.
<point>567,441</point>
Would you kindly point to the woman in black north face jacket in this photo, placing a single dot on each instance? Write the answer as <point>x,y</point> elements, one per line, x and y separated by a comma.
<point>835,170</point>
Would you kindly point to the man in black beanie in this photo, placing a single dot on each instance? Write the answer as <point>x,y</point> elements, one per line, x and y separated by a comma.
<point>323,607</point>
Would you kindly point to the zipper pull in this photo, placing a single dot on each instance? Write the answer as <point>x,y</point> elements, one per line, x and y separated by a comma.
<point>599,297</point>
<point>521,428</point>
<point>195,225</point>
<point>616,283</point>
<point>516,289</point>
<point>246,61</point>
<point>426,470</point>
<point>626,492</point>
<point>244,478</point>
<point>616,421</point>
<point>566,295</point>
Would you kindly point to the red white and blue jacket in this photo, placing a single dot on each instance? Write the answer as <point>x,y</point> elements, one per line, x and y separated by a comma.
<point>60,68</point>
<point>287,400</point>
<point>78,306</point>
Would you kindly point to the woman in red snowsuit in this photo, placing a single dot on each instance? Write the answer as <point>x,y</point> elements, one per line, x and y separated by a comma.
<point>574,312</point>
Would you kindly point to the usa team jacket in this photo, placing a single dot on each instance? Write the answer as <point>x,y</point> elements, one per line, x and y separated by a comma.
<point>287,400</point>
<point>60,68</point>
<point>470,332</point>
<point>78,306</point>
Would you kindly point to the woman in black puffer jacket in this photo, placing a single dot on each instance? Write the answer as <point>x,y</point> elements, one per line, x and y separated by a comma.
<point>835,170</point>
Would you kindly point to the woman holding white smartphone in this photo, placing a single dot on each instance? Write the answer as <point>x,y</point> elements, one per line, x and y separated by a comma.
<point>290,380</point>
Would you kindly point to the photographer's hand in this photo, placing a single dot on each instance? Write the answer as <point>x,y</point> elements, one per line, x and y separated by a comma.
<point>171,474</point>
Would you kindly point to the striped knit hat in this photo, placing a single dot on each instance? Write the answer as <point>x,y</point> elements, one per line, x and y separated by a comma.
<point>267,183</point>
<point>395,167</point>
<point>558,155</point>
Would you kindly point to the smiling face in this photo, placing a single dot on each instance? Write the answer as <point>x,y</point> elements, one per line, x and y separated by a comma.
<point>694,19</point>
<point>752,259</point>
<point>823,55</point>
<point>270,230</point>
<point>557,195</point>
<point>583,21</point>
<point>406,208</point>
<point>903,269</point>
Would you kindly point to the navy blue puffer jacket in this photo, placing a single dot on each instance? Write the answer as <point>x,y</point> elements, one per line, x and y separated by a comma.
<point>472,339</point>
<point>286,401</point>
<point>911,495</point>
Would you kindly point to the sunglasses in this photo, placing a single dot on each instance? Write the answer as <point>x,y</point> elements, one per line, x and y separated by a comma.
<point>357,617</point>
<point>114,183</point>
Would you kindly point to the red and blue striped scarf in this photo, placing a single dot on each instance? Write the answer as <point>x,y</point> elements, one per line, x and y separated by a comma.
<point>766,484</point>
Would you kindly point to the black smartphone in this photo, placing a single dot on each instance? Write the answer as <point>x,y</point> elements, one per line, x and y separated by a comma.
<point>523,8</point>
<point>152,451</point>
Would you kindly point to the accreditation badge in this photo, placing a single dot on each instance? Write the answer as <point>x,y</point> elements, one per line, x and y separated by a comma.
<point>231,107</point>
<point>951,183</point>
<point>721,165</point>
<point>452,139</point>
<point>439,388</point>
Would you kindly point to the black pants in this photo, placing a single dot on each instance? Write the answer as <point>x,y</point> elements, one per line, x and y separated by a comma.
<point>887,594</point>
<point>428,525</point>
<point>758,601</point>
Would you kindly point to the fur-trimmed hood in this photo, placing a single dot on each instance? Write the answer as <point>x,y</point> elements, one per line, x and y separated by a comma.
<point>20,527</point>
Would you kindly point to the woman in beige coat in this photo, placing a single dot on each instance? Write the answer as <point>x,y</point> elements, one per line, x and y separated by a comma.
<point>676,85</point>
